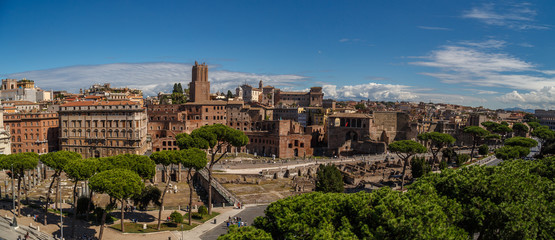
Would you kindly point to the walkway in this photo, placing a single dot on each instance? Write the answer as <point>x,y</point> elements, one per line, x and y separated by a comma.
<point>195,233</point>
<point>248,215</point>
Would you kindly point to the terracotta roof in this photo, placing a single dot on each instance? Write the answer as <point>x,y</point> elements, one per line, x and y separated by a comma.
<point>20,102</point>
<point>98,103</point>
<point>92,96</point>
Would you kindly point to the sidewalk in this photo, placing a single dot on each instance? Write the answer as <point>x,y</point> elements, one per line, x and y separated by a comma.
<point>194,234</point>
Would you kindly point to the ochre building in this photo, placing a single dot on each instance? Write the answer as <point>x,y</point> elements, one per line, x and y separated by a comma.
<point>103,128</point>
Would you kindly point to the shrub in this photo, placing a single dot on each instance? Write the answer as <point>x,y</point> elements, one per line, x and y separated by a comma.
<point>419,167</point>
<point>462,158</point>
<point>483,149</point>
<point>443,165</point>
<point>329,179</point>
<point>202,210</point>
<point>176,217</point>
<point>196,216</point>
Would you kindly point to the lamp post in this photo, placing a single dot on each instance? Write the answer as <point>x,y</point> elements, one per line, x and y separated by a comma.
<point>14,221</point>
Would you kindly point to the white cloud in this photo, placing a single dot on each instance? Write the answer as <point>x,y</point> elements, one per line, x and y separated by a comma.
<point>482,67</point>
<point>515,16</point>
<point>372,91</point>
<point>149,77</point>
<point>543,98</point>
<point>491,43</point>
<point>434,28</point>
<point>549,72</point>
<point>482,92</point>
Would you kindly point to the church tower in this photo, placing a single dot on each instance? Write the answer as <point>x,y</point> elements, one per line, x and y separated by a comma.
<point>199,88</point>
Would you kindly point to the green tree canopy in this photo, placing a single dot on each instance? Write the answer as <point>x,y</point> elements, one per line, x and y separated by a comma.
<point>478,134</point>
<point>419,167</point>
<point>19,163</point>
<point>142,165</point>
<point>521,141</point>
<point>79,170</point>
<point>219,139</point>
<point>511,152</point>
<point>406,149</point>
<point>165,158</point>
<point>245,233</point>
<point>521,129</point>
<point>381,214</point>
<point>177,88</point>
<point>150,194</point>
<point>119,184</point>
<point>483,149</point>
<point>329,179</point>
<point>534,125</point>
<point>436,141</point>
<point>511,201</point>
<point>56,161</point>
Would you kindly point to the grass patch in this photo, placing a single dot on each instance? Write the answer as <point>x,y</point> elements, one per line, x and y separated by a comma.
<point>56,211</point>
<point>138,227</point>
<point>204,218</point>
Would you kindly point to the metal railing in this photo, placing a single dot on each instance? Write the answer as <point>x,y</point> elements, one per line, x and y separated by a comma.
<point>226,194</point>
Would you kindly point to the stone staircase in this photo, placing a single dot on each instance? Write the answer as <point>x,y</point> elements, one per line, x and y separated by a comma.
<point>226,194</point>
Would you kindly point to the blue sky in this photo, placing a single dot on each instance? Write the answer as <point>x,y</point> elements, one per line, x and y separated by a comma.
<point>495,54</point>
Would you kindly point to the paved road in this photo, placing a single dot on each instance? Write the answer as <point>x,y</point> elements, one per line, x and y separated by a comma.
<point>493,162</point>
<point>247,215</point>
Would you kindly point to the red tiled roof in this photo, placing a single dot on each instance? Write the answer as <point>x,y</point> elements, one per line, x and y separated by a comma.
<point>98,103</point>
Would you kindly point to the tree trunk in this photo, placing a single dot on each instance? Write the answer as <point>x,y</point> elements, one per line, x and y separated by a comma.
<point>190,182</point>
<point>405,162</point>
<point>48,199</point>
<point>472,152</point>
<point>25,185</point>
<point>210,189</point>
<point>90,203</point>
<point>74,209</point>
<point>178,177</point>
<point>102,222</point>
<point>162,199</point>
<point>122,216</point>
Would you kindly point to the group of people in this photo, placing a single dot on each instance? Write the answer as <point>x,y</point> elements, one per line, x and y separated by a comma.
<point>236,220</point>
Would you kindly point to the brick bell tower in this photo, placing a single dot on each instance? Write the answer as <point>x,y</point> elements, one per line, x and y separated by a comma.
<point>199,88</point>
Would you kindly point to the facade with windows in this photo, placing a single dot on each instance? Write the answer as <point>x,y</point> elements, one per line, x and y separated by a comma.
<point>103,128</point>
<point>32,131</point>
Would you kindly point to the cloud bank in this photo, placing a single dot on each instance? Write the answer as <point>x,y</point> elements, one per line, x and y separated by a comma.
<point>519,16</point>
<point>149,77</point>
<point>484,64</point>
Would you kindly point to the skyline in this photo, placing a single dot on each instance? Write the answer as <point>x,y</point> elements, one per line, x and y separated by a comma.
<point>479,53</point>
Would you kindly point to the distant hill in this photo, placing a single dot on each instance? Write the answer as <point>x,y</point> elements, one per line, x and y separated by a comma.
<point>519,109</point>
